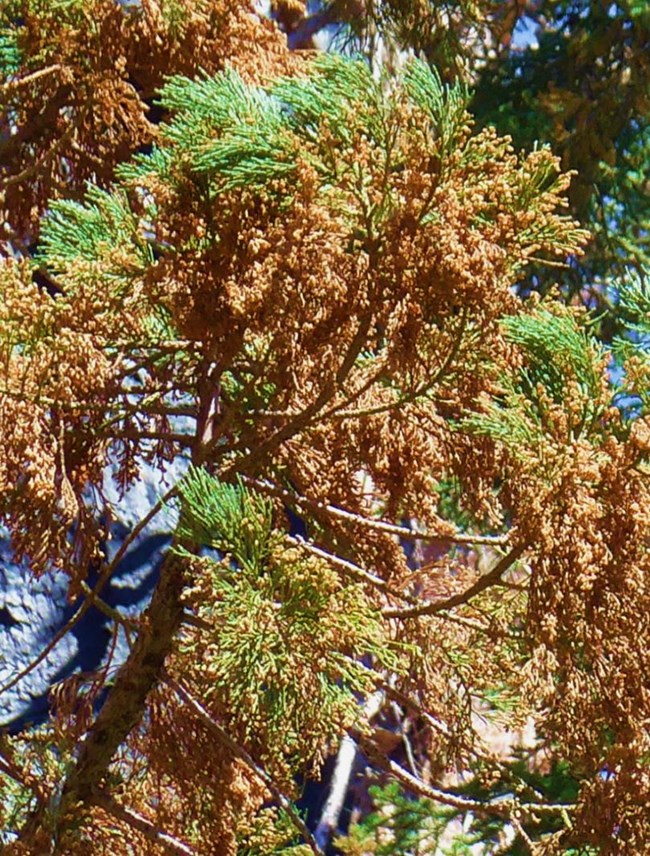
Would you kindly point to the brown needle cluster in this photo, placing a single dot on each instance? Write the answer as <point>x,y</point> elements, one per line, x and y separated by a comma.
<point>82,99</point>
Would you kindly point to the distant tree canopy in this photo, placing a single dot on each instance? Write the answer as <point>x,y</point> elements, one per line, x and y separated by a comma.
<point>301,273</point>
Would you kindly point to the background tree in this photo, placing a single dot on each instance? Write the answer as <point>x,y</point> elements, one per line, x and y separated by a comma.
<point>305,289</point>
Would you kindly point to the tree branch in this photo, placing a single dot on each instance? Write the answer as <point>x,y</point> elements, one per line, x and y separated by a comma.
<point>492,578</point>
<point>33,129</point>
<point>503,807</point>
<point>303,502</point>
<point>123,708</point>
<point>144,826</point>
<point>340,781</point>
<point>302,419</point>
<point>243,755</point>
<point>29,79</point>
<point>355,571</point>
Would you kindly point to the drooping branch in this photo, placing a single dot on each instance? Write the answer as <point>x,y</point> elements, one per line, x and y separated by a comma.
<point>215,728</point>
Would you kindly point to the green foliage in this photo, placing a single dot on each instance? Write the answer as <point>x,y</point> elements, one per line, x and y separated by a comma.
<point>561,368</point>
<point>241,135</point>
<point>31,757</point>
<point>445,105</point>
<point>246,391</point>
<point>557,352</point>
<point>634,302</point>
<point>9,52</point>
<point>556,786</point>
<point>583,88</point>
<point>334,88</point>
<point>229,135</point>
<point>271,833</point>
<point>288,634</point>
<point>401,825</point>
<point>280,641</point>
<point>226,517</point>
<point>253,146</point>
<point>75,232</point>
<point>17,802</point>
<point>159,161</point>
<point>578,81</point>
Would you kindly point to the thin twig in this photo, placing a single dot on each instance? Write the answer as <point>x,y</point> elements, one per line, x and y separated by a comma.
<point>250,459</point>
<point>371,523</point>
<point>145,827</point>
<point>103,578</point>
<point>188,699</point>
<point>503,807</point>
<point>114,614</point>
<point>417,786</point>
<point>195,621</point>
<point>355,571</point>
<point>17,82</point>
<point>133,534</point>
<point>414,394</point>
<point>185,440</point>
<point>492,578</point>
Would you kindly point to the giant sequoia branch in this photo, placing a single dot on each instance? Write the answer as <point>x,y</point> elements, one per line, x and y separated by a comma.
<point>124,705</point>
<point>304,503</point>
<point>302,420</point>
<point>484,582</point>
<point>239,752</point>
<point>503,807</point>
<point>354,571</point>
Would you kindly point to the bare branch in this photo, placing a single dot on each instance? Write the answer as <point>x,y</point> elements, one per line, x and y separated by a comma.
<point>355,571</point>
<point>504,807</point>
<point>29,79</point>
<point>340,780</point>
<point>105,574</point>
<point>492,578</point>
<point>380,525</point>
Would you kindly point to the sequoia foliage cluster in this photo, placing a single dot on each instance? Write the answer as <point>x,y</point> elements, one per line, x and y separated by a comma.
<point>303,281</point>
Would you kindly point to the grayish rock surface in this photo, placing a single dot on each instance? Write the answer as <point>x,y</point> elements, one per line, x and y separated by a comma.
<point>32,611</point>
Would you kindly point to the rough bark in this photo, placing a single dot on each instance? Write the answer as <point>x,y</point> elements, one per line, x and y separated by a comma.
<point>122,710</point>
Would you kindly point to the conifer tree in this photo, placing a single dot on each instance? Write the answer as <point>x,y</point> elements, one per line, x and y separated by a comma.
<point>305,288</point>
